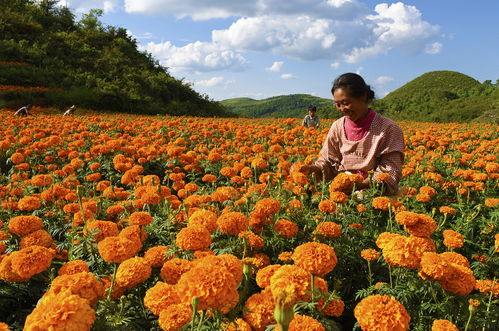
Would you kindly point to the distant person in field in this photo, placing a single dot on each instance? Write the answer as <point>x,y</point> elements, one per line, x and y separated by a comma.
<point>361,140</point>
<point>311,120</point>
<point>23,111</point>
<point>71,110</point>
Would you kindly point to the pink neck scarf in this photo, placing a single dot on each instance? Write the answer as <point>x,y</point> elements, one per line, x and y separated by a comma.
<point>355,131</point>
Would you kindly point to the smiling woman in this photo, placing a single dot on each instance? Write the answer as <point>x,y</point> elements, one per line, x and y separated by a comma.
<point>360,141</point>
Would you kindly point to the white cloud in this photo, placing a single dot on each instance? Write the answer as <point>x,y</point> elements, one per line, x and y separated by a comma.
<point>210,9</point>
<point>299,37</point>
<point>396,26</point>
<point>383,80</point>
<point>84,6</point>
<point>275,67</point>
<point>334,30</point>
<point>287,76</point>
<point>434,48</point>
<point>214,81</point>
<point>196,57</point>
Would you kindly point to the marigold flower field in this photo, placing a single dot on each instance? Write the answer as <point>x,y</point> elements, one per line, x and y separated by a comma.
<point>121,222</point>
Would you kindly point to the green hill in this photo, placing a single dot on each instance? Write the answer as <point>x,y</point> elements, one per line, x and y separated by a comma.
<point>442,96</point>
<point>294,105</point>
<point>437,96</point>
<point>91,65</point>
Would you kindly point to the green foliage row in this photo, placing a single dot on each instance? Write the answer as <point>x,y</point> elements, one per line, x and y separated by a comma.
<point>97,66</point>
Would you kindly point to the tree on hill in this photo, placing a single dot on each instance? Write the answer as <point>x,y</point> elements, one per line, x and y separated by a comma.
<point>97,66</point>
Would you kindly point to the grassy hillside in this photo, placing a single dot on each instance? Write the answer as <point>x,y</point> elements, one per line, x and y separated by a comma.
<point>442,96</point>
<point>86,63</point>
<point>294,105</point>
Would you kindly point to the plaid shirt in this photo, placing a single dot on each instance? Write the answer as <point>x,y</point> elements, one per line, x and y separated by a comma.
<point>310,121</point>
<point>381,150</point>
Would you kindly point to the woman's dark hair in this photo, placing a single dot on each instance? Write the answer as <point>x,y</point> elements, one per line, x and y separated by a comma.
<point>355,86</point>
<point>312,108</point>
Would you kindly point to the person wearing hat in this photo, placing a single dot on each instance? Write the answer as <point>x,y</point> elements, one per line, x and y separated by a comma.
<point>70,111</point>
<point>311,120</point>
<point>23,111</point>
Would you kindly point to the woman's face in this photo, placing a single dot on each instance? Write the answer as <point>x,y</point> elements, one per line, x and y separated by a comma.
<point>353,108</point>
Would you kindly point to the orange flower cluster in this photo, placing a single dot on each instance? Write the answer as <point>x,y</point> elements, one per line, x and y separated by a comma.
<point>285,228</point>
<point>61,311</point>
<point>328,229</point>
<point>403,251</point>
<point>385,203</point>
<point>132,272</point>
<point>443,325</point>
<point>344,182</point>
<point>232,222</point>
<point>451,270</point>
<point>453,239</point>
<point>20,266</point>
<point>369,254</point>
<point>317,258</point>
<point>419,225</point>
<point>193,237</point>
<point>123,246</point>
<point>84,284</point>
<point>487,286</point>
<point>381,313</point>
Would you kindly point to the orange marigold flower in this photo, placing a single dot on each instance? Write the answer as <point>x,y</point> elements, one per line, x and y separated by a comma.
<point>259,310</point>
<point>84,284</point>
<point>132,272</point>
<point>327,206</point>
<point>328,229</point>
<point>63,311</point>
<point>193,237</point>
<point>356,226</point>
<point>285,228</point>
<point>443,325</point>
<point>214,287</point>
<point>228,261</point>
<point>237,325</point>
<point>5,327</point>
<point>342,182</point>
<point>423,228</point>
<point>267,206</point>
<point>447,210</point>
<point>140,218</point>
<point>29,203</point>
<point>254,240</point>
<point>338,197</point>
<point>369,254</point>
<point>383,203</point>
<point>487,286</point>
<point>491,202</point>
<point>116,249</point>
<point>294,276</point>
<point>263,275</point>
<point>160,297</point>
<point>30,261</point>
<point>381,312</point>
<point>302,322</point>
<point>204,217</point>
<point>361,208</point>
<point>208,178</point>
<point>453,239</point>
<point>156,256</point>
<point>38,238</point>
<point>73,267</point>
<point>232,222</point>
<point>173,269</point>
<point>176,316</point>
<point>334,308</point>
<point>41,180</point>
<point>285,256</point>
<point>17,158</point>
<point>383,177</point>
<point>316,258</point>
<point>407,218</point>
<point>101,229</point>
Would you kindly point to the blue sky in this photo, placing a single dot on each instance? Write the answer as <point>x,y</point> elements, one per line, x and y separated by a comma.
<point>264,48</point>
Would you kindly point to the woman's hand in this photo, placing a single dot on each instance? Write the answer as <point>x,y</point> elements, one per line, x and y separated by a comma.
<point>307,169</point>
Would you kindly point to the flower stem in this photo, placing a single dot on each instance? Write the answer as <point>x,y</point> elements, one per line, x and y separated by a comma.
<point>112,282</point>
<point>469,320</point>
<point>370,275</point>
<point>488,304</point>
